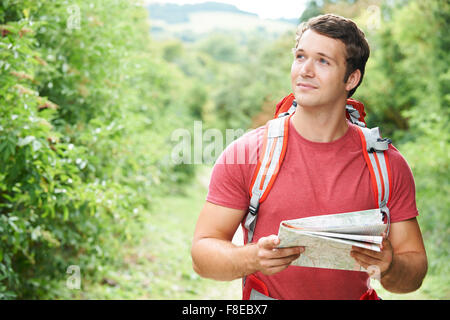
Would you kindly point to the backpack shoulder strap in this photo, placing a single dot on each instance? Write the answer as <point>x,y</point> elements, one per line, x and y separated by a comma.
<point>355,109</point>
<point>284,105</point>
<point>269,163</point>
<point>355,112</point>
<point>374,150</point>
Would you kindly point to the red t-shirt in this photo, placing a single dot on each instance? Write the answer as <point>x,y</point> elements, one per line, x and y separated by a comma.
<point>315,179</point>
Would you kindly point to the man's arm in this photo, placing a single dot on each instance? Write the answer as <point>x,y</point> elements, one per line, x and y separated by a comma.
<point>402,261</point>
<point>215,256</point>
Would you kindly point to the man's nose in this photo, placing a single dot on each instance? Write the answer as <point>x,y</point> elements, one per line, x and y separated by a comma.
<point>307,69</point>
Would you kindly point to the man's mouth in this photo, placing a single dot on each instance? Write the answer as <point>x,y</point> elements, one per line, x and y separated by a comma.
<point>305,85</point>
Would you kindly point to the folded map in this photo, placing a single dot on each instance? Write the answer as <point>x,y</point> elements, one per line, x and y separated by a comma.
<point>328,239</point>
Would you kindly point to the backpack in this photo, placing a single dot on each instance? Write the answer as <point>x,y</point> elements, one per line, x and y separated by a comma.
<point>274,150</point>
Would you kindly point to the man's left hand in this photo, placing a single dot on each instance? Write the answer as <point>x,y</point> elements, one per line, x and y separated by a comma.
<point>381,260</point>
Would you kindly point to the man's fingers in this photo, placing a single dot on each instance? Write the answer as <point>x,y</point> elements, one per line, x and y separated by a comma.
<point>285,261</point>
<point>278,253</point>
<point>285,252</point>
<point>268,263</point>
<point>276,265</point>
<point>368,252</point>
<point>273,259</point>
<point>364,260</point>
<point>269,242</point>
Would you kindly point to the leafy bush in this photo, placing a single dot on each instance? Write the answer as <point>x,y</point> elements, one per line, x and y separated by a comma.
<point>84,136</point>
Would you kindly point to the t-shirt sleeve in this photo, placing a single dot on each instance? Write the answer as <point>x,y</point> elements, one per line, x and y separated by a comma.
<point>402,202</point>
<point>227,186</point>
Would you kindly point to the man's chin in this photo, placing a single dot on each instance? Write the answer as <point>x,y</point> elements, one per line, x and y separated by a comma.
<point>304,100</point>
<point>306,103</point>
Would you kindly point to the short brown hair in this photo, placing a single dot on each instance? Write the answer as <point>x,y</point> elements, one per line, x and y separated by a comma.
<point>337,27</point>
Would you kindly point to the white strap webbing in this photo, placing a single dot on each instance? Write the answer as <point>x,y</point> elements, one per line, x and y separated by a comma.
<point>375,148</point>
<point>291,110</point>
<point>274,145</point>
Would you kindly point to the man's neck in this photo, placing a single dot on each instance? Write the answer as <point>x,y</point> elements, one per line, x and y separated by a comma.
<point>320,123</point>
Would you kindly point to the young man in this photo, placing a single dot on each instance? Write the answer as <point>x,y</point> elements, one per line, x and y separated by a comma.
<point>323,172</point>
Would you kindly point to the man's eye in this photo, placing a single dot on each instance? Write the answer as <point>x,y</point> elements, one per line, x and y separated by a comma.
<point>323,61</point>
<point>299,56</point>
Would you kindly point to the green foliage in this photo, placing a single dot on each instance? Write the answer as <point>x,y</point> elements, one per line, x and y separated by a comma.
<point>261,77</point>
<point>85,117</point>
<point>222,48</point>
<point>313,8</point>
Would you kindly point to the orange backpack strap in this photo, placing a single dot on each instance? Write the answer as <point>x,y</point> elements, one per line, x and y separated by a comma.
<point>254,286</point>
<point>355,109</point>
<point>375,155</point>
<point>267,168</point>
<point>284,105</point>
<point>374,151</point>
<point>355,112</point>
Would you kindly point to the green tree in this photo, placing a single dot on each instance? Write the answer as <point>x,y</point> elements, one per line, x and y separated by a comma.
<point>86,116</point>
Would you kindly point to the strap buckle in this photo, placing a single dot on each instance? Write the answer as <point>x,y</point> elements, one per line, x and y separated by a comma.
<point>382,144</point>
<point>290,110</point>
<point>253,209</point>
<point>283,114</point>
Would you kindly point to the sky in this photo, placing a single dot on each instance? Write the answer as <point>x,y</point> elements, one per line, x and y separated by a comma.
<point>266,9</point>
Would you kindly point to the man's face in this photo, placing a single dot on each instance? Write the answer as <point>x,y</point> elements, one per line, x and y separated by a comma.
<point>318,70</point>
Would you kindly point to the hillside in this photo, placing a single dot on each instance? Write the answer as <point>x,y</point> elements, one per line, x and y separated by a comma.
<point>192,21</point>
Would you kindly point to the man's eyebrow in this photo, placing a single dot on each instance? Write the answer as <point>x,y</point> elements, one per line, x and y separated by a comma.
<point>297,50</point>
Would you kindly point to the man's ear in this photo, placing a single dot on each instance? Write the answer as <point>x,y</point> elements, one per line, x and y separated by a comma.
<point>353,80</point>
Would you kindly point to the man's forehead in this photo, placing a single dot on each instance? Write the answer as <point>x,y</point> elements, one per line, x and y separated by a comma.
<point>314,42</point>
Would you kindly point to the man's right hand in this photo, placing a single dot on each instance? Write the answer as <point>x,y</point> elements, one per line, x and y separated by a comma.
<point>270,259</point>
<point>214,255</point>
